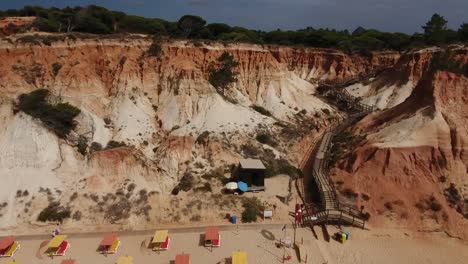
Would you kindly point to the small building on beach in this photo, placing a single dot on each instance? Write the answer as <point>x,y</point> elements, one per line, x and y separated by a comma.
<point>252,172</point>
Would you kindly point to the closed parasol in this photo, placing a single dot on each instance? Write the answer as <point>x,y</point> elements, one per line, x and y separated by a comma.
<point>242,186</point>
<point>231,186</point>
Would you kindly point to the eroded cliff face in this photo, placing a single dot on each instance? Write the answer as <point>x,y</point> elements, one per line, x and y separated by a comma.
<point>159,106</point>
<point>411,154</point>
<point>395,84</point>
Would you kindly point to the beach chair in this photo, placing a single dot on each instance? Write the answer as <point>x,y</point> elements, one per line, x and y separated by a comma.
<point>114,247</point>
<point>239,257</point>
<point>212,237</point>
<point>182,259</point>
<point>161,240</point>
<point>62,249</point>
<point>11,251</point>
<point>109,244</point>
<point>125,260</point>
<point>57,246</point>
<point>8,246</point>
<point>165,245</point>
<point>217,242</point>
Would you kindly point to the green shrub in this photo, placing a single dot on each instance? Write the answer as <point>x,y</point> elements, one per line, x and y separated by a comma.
<point>265,138</point>
<point>186,182</point>
<point>82,145</point>
<point>249,215</point>
<point>56,68</point>
<point>326,111</point>
<point>434,204</point>
<point>202,139</point>
<point>343,143</point>
<point>54,212</point>
<point>444,61</point>
<point>59,117</point>
<point>30,39</point>
<point>95,146</point>
<point>221,74</point>
<point>115,144</point>
<point>252,208</point>
<point>155,50</point>
<point>430,203</point>
<point>77,215</point>
<point>250,151</point>
<point>281,166</point>
<point>261,110</point>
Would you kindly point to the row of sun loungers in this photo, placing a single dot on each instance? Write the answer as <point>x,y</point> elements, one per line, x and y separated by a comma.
<point>110,243</point>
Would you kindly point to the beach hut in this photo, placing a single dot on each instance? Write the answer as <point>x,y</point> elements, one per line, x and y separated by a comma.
<point>8,246</point>
<point>125,260</point>
<point>212,237</point>
<point>160,240</point>
<point>109,244</point>
<point>57,246</point>
<point>68,261</point>
<point>182,259</point>
<point>252,172</point>
<point>239,257</point>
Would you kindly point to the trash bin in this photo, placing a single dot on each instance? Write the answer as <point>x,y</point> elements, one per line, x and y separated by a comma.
<point>234,219</point>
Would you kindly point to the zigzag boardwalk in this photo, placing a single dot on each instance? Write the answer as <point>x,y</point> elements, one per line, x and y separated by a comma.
<point>330,209</point>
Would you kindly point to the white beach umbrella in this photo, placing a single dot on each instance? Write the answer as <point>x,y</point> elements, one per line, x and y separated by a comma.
<point>231,185</point>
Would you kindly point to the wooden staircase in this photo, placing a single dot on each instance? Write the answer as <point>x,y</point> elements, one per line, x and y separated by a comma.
<point>330,210</point>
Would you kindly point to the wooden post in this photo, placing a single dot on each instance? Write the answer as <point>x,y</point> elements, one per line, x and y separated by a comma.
<point>341,215</point>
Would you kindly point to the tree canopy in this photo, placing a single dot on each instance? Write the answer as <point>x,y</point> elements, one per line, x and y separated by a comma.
<point>98,20</point>
<point>435,30</point>
<point>222,74</point>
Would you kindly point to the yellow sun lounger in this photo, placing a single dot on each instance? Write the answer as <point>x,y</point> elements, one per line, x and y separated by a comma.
<point>239,257</point>
<point>12,249</point>
<point>114,246</point>
<point>160,240</point>
<point>125,260</point>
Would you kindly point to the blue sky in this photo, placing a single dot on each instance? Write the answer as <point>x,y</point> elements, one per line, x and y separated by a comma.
<point>388,15</point>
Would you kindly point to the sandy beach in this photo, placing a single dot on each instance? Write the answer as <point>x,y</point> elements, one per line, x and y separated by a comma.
<point>376,246</point>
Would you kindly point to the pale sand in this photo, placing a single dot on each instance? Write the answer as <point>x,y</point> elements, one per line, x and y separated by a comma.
<point>377,246</point>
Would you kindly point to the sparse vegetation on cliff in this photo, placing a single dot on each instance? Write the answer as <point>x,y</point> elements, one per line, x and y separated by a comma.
<point>54,212</point>
<point>56,68</point>
<point>444,61</point>
<point>155,50</point>
<point>343,143</point>
<point>60,117</point>
<point>115,144</point>
<point>222,74</point>
<point>261,110</point>
<point>266,138</point>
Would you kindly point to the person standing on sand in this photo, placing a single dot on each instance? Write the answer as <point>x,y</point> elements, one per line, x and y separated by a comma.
<point>57,230</point>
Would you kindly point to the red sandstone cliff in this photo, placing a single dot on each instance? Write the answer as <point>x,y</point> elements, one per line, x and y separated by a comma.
<point>158,106</point>
<point>402,171</point>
